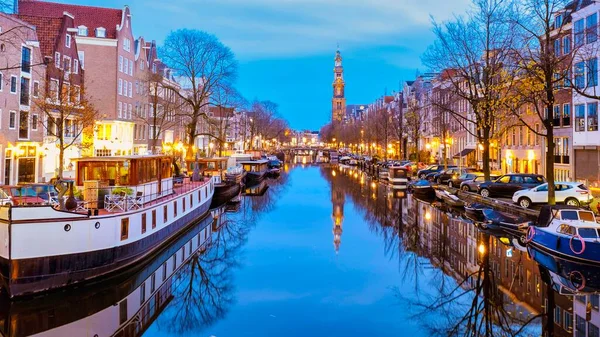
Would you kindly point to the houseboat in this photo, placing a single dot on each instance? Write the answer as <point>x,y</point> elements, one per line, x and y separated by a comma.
<point>133,209</point>
<point>225,189</point>
<point>398,176</point>
<point>125,304</point>
<point>256,170</point>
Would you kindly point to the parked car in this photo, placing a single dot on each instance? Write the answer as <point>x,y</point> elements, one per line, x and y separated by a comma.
<point>570,193</point>
<point>443,176</point>
<point>5,199</point>
<point>508,184</point>
<point>422,174</point>
<point>44,191</point>
<point>23,195</point>
<point>456,180</point>
<point>472,185</point>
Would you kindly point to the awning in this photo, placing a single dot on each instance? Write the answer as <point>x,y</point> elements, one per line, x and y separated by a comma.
<point>463,153</point>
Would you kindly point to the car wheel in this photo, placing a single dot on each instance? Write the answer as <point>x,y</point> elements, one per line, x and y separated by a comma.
<point>484,192</point>
<point>572,202</point>
<point>450,184</point>
<point>525,202</point>
<point>465,188</point>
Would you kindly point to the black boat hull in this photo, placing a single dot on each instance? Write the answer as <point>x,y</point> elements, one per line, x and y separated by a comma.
<point>253,178</point>
<point>224,192</point>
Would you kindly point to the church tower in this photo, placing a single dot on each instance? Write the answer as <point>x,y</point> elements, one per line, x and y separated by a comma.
<point>338,103</point>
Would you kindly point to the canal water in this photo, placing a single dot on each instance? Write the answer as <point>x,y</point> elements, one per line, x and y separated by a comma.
<point>325,251</point>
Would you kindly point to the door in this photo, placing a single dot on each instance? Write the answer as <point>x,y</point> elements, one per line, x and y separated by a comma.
<point>7,165</point>
<point>516,183</point>
<point>539,194</point>
<point>500,186</point>
<point>562,192</point>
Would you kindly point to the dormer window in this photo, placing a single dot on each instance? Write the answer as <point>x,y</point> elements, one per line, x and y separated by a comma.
<point>68,41</point>
<point>100,32</point>
<point>82,31</point>
<point>558,20</point>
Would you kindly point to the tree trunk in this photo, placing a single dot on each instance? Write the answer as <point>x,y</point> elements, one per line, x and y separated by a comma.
<point>550,164</point>
<point>485,155</point>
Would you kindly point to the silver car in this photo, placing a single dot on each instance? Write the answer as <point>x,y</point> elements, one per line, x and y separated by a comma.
<point>472,185</point>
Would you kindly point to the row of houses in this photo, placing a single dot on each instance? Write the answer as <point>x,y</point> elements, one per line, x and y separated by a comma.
<point>89,51</point>
<point>516,147</point>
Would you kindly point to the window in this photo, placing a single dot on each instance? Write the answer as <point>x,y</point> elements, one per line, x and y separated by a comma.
<point>174,261</point>
<point>568,321</point>
<point>557,47</point>
<point>76,94</point>
<point>1,82</point>
<point>81,56</point>
<point>593,330</point>
<point>175,208</point>
<point>566,44</point>
<point>120,63</point>
<point>24,91</point>
<point>142,293</point>
<point>25,60</point>
<point>66,64</point>
<point>82,31</point>
<point>557,315</point>
<point>76,66</point>
<point>153,218</point>
<point>123,311</point>
<point>124,228</point>
<point>558,21</point>
<point>578,32</point>
<point>54,89</point>
<point>120,87</point>
<point>130,86</point>
<point>504,180</point>
<point>165,214</point>
<point>591,28</point>
<point>152,283</point>
<point>143,223</point>
<point>23,125</point>
<point>592,116</point>
<point>579,326</point>
<point>164,271</point>
<point>12,120</point>
<point>36,89</point>
<point>34,122</point>
<point>129,110</point>
<point>13,84</point>
<point>594,299</point>
<point>592,72</point>
<point>68,41</point>
<point>580,117</point>
<point>579,75</point>
<point>131,67</point>
<point>100,32</point>
<point>127,45</point>
<point>57,60</point>
<point>120,109</point>
<point>125,65</point>
<point>566,115</point>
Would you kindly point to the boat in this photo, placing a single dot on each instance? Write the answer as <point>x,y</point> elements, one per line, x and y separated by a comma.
<point>474,211</point>
<point>398,176</point>
<point>241,156</point>
<point>384,173</point>
<point>131,209</point>
<point>273,172</point>
<point>422,189</point>
<point>568,232</point>
<point>256,170</point>
<point>85,310</point>
<point>507,221</point>
<point>449,198</point>
<point>256,190</point>
<point>235,174</point>
<point>225,189</point>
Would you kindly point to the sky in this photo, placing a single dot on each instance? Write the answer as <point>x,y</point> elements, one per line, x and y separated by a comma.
<point>286,48</point>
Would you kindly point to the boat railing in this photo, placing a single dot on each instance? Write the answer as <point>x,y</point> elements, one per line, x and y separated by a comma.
<point>115,198</point>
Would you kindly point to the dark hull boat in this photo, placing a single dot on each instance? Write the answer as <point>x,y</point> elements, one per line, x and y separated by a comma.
<point>506,221</point>
<point>224,192</point>
<point>273,172</point>
<point>256,171</point>
<point>422,189</point>
<point>474,211</point>
<point>449,199</point>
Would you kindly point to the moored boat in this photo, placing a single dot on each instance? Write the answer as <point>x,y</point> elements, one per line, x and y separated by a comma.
<point>384,174</point>
<point>505,220</point>
<point>449,198</point>
<point>225,189</point>
<point>422,189</point>
<point>474,211</point>
<point>398,176</point>
<point>568,232</point>
<point>256,170</point>
<point>133,209</point>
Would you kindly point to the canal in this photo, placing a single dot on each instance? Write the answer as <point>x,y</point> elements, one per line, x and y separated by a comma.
<point>325,251</point>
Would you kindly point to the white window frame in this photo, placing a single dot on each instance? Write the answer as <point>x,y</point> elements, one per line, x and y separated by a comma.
<point>75,66</point>
<point>120,109</point>
<point>34,125</point>
<point>126,66</point>
<point>16,84</point>
<point>120,87</point>
<point>81,57</point>
<point>129,110</point>
<point>1,81</point>
<point>131,67</point>
<point>100,32</point>
<point>78,97</point>
<point>130,86</point>
<point>70,64</point>
<point>120,63</point>
<point>55,98</point>
<point>81,30</point>
<point>14,127</point>
<point>68,40</point>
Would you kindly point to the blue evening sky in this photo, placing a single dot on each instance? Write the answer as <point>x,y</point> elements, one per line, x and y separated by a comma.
<point>286,47</point>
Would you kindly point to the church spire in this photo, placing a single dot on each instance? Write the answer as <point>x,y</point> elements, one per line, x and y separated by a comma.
<point>338,102</point>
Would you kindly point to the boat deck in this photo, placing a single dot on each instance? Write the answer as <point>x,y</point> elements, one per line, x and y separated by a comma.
<point>118,204</point>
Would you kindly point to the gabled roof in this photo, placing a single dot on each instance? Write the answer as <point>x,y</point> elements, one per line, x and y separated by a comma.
<point>47,30</point>
<point>91,17</point>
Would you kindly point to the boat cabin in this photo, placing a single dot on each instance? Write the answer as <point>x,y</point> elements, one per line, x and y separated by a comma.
<point>212,166</point>
<point>148,176</point>
<point>255,165</point>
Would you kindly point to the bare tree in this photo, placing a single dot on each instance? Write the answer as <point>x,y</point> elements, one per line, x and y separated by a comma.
<point>226,102</point>
<point>476,48</point>
<point>266,123</point>
<point>541,69</point>
<point>68,116</point>
<point>201,63</point>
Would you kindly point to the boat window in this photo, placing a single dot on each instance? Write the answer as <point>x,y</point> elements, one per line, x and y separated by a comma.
<point>587,216</point>
<point>569,215</point>
<point>566,229</point>
<point>588,233</point>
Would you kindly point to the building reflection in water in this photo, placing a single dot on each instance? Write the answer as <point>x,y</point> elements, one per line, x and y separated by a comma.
<point>482,283</point>
<point>337,202</point>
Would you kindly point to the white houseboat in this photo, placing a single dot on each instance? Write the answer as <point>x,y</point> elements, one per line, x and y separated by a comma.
<point>131,209</point>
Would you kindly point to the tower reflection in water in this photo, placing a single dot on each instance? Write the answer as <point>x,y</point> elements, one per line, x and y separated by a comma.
<point>467,281</point>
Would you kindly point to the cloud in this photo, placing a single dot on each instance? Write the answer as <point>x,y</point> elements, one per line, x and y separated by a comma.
<point>291,28</point>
